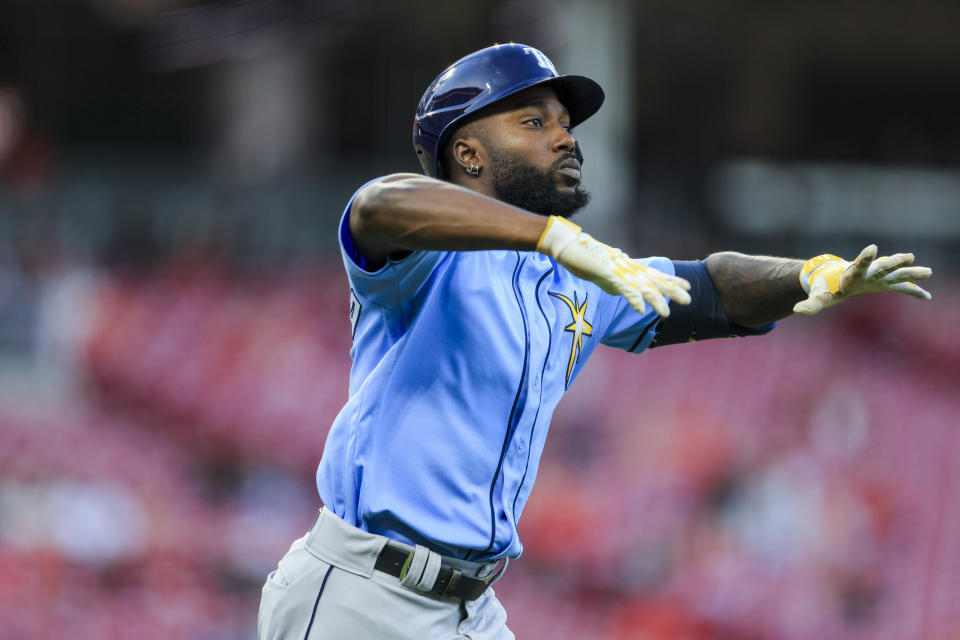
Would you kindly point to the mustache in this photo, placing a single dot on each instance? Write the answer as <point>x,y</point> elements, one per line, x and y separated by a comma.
<point>562,159</point>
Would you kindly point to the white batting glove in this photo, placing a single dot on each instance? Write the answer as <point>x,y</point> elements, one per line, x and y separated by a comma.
<point>829,279</point>
<point>611,269</point>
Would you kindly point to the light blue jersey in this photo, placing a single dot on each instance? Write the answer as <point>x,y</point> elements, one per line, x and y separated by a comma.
<point>459,360</point>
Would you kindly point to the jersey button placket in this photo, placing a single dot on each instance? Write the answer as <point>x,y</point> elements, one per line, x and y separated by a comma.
<point>521,443</point>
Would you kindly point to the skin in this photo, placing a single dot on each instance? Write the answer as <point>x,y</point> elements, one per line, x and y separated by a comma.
<point>407,212</point>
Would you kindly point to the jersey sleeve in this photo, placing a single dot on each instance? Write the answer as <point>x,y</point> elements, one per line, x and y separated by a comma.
<point>394,282</point>
<point>627,329</point>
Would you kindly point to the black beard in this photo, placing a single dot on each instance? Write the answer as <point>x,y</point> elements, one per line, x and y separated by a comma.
<point>521,185</point>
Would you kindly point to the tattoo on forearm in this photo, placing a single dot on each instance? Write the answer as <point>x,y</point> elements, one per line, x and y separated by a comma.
<point>756,290</point>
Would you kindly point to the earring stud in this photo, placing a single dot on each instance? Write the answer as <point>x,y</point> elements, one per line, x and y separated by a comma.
<point>474,170</point>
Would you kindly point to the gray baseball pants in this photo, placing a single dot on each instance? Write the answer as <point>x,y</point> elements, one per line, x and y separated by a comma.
<point>326,588</point>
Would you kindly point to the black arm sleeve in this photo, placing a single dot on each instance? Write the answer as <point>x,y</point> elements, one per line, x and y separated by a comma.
<point>704,317</point>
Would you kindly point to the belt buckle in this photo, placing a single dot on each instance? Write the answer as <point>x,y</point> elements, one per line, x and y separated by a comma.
<point>452,582</point>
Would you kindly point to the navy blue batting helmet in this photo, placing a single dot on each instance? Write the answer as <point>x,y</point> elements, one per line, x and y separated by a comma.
<point>483,78</point>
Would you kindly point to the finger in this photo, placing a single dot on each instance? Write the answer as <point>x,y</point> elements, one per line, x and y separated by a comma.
<point>807,308</point>
<point>911,290</point>
<point>863,261</point>
<point>907,273</point>
<point>663,281</point>
<point>661,277</point>
<point>670,286</point>
<point>677,295</point>
<point>660,283</point>
<point>655,299</point>
<point>669,282</point>
<point>812,305</point>
<point>636,301</point>
<point>885,264</point>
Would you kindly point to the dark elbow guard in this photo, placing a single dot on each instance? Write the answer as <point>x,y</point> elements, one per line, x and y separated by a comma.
<point>704,317</point>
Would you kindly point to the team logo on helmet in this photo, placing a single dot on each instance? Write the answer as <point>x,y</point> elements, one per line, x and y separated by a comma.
<point>543,60</point>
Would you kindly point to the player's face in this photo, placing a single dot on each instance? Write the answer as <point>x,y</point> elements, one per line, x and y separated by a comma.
<point>533,159</point>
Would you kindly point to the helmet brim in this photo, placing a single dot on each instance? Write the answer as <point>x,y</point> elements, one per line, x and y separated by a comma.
<point>580,95</point>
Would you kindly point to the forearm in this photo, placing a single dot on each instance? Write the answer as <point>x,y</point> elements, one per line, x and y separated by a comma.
<point>407,212</point>
<point>756,290</point>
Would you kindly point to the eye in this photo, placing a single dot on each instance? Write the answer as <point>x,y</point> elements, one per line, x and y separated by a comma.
<point>537,122</point>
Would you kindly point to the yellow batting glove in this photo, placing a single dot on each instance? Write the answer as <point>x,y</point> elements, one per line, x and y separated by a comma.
<point>610,268</point>
<point>828,279</point>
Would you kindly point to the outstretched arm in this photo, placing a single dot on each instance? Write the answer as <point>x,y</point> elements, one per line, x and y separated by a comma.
<point>406,212</point>
<point>756,290</point>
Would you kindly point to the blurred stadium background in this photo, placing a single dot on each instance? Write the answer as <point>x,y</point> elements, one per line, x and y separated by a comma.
<point>174,332</point>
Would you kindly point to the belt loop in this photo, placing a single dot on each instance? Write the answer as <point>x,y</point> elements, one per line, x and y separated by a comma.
<point>499,572</point>
<point>316,519</point>
<point>424,566</point>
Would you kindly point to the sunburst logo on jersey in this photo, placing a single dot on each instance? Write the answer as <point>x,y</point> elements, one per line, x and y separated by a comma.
<point>579,328</point>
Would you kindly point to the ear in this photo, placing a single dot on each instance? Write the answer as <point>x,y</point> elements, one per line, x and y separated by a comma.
<point>466,152</point>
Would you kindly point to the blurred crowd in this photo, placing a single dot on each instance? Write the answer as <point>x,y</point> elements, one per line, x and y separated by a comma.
<point>174,333</point>
<point>793,486</point>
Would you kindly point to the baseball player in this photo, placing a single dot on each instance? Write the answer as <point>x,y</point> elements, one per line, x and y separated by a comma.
<point>474,304</point>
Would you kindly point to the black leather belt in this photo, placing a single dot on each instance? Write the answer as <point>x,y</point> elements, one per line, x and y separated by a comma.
<point>450,582</point>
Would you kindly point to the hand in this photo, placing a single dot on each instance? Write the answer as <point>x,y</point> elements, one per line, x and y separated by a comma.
<point>610,268</point>
<point>829,279</point>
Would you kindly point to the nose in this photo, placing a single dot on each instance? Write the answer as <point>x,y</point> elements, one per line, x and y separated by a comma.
<point>564,141</point>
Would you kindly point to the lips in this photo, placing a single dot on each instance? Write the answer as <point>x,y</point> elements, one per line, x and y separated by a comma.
<point>571,169</point>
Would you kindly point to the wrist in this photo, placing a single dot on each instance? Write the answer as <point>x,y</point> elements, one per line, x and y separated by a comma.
<point>827,266</point>
<point>557,235</point>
